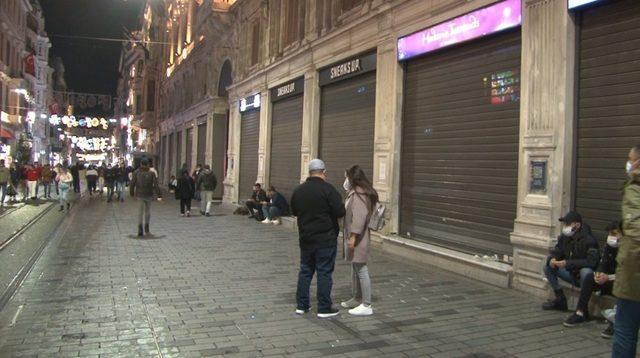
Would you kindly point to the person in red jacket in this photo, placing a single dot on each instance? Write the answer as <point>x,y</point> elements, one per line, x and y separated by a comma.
<point>33,176</point>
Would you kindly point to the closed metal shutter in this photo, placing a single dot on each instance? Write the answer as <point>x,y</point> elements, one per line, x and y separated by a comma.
<point>179,161</point>
<point>189,149</point>
<point>608,108</point>
<point>219,153</point>
<point>249,132</point>
<point>202,143</point>
<point>286,139</point>
<point>460,146</point>
<point>172,157</point>
<point>347,123</point>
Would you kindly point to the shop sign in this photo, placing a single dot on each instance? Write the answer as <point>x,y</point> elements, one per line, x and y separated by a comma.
<point>287,90</point>
<point>572,4</point>
<point>348,69</point>
<point>249,103</point>
<point>486,21</point>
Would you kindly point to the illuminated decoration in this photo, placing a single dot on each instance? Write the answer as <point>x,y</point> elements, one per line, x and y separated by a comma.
<point>142,136</point>
<point>124,121</point>
<point>87,122</point>
<point>31,116</point>
<point>4,117</point>
<point>93,157</point>
<point>43,116</point>
<point>486,21</point>
<point>5,148</point>
<point>26,95</point>
<point>572,4</point>
<point>90,144</point>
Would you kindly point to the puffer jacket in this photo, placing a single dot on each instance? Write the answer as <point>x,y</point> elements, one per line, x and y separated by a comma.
<point>627,283</point>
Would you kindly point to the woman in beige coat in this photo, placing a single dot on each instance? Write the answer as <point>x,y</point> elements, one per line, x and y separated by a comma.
<point>361,199</point>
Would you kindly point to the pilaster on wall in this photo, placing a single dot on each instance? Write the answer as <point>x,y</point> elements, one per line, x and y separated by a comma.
<point>546,135</point>
<point>310,121</point>
<point>194,142</point>
<point>386,160</point>
<point>208,155</point>
<point>183,147</point>
<point>264,142</point>
<point>231,191</point>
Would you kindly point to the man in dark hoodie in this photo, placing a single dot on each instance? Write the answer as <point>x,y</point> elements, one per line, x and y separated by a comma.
<point>206,184</point>
<point>318,206</point>
<point>574,260</point>
<point>144,185</point>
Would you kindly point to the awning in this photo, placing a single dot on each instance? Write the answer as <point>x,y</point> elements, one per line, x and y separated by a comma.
<point>6,133</point>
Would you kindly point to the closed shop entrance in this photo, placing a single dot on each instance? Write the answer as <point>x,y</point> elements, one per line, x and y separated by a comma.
<point>219,151</point>
<point>286,137</point>
<point>608,108</point>
<point>189,149</point>
<point>460,145</point>
<point>202,143</point>
<point>347,117</point>
<point>249,139</point>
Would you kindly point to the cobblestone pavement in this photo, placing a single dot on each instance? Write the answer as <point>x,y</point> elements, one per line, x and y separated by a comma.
<point>225,285</point>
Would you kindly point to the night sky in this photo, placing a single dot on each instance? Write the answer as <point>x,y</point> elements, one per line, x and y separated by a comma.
<point>90,65</point>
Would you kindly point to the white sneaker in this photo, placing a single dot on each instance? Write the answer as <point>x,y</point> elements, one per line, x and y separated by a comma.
<point>276,222</point>
<point>361,310</point>
<point>266,221</point>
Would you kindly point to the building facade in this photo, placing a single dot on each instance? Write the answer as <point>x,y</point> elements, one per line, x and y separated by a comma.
<point>479,122</point>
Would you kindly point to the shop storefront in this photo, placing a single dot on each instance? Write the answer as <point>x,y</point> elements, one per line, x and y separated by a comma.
<point>608,105</point>
<point>347,116</point>
<point>249,139</point>
<point>219,150</point>
<point>460,135</point>
<point>179,160</point>
<point>286,136</point>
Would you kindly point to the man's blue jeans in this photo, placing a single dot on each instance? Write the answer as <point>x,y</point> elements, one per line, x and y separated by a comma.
<point>316,260</point>
<point>271,212</point>
<point>625,338</point>
<point>585,282</point>
<point>120,185</point>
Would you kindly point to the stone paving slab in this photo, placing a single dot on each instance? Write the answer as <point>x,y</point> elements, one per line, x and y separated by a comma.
<point>225,286</point>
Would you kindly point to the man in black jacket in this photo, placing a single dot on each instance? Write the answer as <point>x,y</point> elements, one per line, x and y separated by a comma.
<point>573,259</point>
<point>318,206</point>
<point>206,184</point>
<point>258,199</point>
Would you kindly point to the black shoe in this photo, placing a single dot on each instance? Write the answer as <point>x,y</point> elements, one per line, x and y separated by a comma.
<point>250,217</point>
<point>556,304</point>
<point>146,229</point>
<point>140,232</point>
<point>61,208</point>
<point>330,313</point>
<point>574,320</point>
<point>608,332</point>
<point>68,206</point>
<point>207,214</point>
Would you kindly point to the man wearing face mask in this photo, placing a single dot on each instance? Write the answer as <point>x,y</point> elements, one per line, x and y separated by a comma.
<point>606,273</point>
<point>573,259</point>
<point>626,287</point>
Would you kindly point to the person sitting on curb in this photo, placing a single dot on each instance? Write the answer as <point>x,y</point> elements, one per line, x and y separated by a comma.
<point>276,207</point>
<point>258,199</point>
<point>606,273</point>
<point>573,259</point>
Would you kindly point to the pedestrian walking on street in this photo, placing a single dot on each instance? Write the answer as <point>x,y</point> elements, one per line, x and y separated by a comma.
<point>626,287</point>
<point>75,173</point>
<point>318,206</point>
<point>360,204</point>
<point>15,183</point>
<point>101,170</point>
<point>65,179</point>
<point>56,173</point>
<point>92,179</point>
<point>121,179</point>
<point>110,181</point>
<point>48,175</point>
<point>206,184</point>
<point>5,181</point>
<point>195,175</point>
<point>144,186</point>
<point>185,190</point>
<point>33,176</point>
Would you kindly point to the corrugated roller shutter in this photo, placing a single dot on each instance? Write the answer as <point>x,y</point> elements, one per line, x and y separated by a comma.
<point>250,133</point>
<point>179,161</point>
<point>189,149</point>
<point>347,122</point>
<point>202,143</point>
<point>286,139</point>
<point>172,156</point>
<point>219,152</point>
<point>608,108</point>
<point>460,145</point>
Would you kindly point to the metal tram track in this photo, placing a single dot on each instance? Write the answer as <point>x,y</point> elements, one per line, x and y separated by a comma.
<point>4,244</point>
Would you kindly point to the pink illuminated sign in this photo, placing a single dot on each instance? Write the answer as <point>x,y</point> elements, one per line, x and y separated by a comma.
<point>497,17</point>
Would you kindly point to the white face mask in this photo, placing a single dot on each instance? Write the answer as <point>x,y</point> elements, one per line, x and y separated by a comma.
<point>567,231</point>
<point>347,184</point>
<point>612,241</point>
<point>629,167</point>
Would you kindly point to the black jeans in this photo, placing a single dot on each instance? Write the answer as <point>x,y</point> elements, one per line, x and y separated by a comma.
<point>251,205</point>
<point>185,203</point>
<point>323,262</point>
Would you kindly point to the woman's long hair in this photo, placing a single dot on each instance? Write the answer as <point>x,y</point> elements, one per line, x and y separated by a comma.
<point>357,178</point>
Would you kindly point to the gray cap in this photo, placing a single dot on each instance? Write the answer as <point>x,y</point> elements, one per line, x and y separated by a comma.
<point>316,164</point>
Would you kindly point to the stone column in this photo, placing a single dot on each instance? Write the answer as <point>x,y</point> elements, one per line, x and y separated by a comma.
<point>231,191</point>
<point>208,154</point>
<point>389,94</point>
<point>183,147</point>
<point>264,143</point>
<point>310,121</point>
<point>546,135</point>
<point>311,21</point>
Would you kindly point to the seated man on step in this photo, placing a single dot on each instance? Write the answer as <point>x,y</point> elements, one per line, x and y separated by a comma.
<point>574,260</point>
<point>258,199</point>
